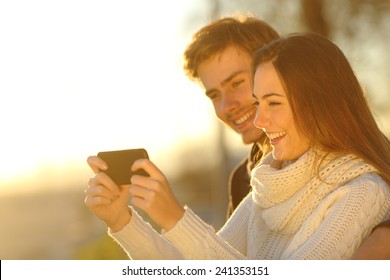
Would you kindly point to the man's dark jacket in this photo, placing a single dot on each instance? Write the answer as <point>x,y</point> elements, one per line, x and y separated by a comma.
<point>239,180</point>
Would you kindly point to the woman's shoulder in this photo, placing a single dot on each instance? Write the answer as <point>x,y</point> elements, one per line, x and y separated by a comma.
<point>366,194</point>
<point>368,183</point>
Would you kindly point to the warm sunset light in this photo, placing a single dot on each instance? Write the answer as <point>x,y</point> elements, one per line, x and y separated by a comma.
<point>84,76</point>
<point>78,77</point>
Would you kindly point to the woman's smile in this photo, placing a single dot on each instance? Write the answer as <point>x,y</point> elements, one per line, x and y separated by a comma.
<point>276,137</point>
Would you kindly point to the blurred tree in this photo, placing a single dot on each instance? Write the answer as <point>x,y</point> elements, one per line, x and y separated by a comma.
<point>313,15</point>
<point>329,17</point>
<point>326,17</point>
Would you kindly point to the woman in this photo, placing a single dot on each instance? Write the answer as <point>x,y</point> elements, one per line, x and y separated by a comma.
<point>316,196</point>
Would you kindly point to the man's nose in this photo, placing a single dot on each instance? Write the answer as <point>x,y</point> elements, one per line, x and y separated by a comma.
<point>229,102</point>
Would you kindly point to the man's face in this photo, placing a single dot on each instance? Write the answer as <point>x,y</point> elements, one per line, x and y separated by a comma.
<point>226,78</point>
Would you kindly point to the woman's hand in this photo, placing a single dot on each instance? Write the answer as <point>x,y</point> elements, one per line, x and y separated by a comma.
<point>153,195</point>
<point>105,199</point>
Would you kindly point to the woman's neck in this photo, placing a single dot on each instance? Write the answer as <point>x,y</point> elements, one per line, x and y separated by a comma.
<point>280,164</point>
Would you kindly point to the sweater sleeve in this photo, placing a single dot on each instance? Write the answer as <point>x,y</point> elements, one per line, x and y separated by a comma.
<point>235,231</point>
<point>385,224</point>
<point>197,240</point>
<point>351,212</point>
<point>142,242</point>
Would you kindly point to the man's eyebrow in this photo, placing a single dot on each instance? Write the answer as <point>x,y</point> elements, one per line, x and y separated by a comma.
<point>232,76</point>
<point>225,81</point>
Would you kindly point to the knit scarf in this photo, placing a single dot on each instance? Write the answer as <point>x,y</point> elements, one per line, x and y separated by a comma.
<point>288,195</point>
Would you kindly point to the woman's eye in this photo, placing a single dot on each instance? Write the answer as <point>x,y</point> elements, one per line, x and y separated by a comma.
<point>272,103</point>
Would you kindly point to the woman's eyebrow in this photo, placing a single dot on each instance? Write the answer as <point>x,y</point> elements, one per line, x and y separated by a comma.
<point>265,96</point>
<point>270,94</point>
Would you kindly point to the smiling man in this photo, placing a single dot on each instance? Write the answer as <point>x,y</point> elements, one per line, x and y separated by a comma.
<point>219,58</point>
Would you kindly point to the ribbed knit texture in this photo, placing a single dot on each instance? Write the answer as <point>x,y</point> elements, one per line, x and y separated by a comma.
<point>141,241</point>
<point>311,216</point>
<point>290,214</point>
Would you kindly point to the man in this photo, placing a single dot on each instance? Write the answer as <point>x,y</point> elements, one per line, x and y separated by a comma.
<point>219,57</point>
<point>376,246</point>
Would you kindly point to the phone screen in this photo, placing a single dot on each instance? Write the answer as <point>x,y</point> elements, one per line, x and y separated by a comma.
<point>120,162</point>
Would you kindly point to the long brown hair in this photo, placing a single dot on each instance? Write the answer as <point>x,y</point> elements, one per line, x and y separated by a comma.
<point>328,103</point>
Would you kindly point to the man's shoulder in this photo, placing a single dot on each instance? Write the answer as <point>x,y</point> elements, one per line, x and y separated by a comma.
<point>385,224</point>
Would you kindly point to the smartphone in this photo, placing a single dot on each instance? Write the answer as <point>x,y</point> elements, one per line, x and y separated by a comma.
<point>119,164</point>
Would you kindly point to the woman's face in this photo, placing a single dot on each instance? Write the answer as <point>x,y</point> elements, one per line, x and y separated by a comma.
<point>275,117</point>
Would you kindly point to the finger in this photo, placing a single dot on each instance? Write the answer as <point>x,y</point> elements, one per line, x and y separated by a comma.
<point>96,201</point>
<point>96,164</point>
<point>147,182</point>
<point>139,191</point>
<point>104,180</point>
<point>149,167</point>
<point>100,191</point>
<point>140,202</point>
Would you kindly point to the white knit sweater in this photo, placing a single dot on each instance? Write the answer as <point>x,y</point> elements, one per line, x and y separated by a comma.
<point>290,214</point>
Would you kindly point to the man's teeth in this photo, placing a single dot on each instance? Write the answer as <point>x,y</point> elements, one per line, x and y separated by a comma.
<point>273,136</point>
<point>243,118</point>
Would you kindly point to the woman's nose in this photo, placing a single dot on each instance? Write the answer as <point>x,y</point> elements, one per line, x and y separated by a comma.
<point>261,120</point>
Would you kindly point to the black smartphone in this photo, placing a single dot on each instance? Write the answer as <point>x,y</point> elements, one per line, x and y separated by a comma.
<point>119,164</point>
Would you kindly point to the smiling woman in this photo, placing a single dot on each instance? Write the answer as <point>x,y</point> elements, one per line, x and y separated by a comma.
<point>315,197</point>
<point>275,116</point>
<point>69,68</point>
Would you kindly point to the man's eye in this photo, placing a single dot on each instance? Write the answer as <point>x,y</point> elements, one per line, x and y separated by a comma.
<point>213,95</point>
<point>237,83</point>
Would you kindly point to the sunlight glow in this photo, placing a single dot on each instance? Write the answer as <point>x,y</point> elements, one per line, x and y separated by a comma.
<point>83,76</point>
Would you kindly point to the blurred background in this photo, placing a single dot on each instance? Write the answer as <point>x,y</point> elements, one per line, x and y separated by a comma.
<point>81,76</point>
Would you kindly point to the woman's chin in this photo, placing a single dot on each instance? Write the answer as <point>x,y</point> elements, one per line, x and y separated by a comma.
<point>277,155</point>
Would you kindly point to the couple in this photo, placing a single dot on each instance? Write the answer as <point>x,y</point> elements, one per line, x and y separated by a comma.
<point>320,166</point>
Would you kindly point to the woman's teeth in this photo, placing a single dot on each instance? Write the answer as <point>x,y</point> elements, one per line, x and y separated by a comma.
<point>273,136</point>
